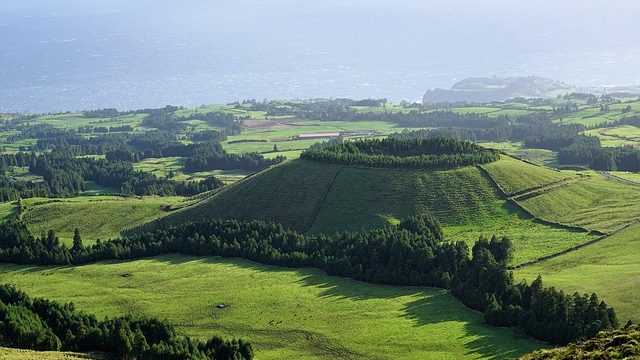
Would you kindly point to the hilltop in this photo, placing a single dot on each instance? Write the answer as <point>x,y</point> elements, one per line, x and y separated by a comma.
<point>470,201</point>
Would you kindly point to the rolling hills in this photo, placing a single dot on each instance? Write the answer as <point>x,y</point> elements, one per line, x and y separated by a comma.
<point>324,198</point>
<point>284,313</point>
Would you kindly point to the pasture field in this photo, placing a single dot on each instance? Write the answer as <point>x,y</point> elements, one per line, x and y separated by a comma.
<point>515,176</point>
<point>284,313</point>
<point>622,135</point>
<point>289,194</point>
<point>596,203</point>
<point>515,148</point>
<point>77,120</point>
<point>321,198</point>
<point>631,176</point>
<point>20,354</point>
<point>97,217</point>
<point>610,267</point>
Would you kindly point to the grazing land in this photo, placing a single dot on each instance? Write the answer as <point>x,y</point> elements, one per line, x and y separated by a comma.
<point>610,267</point>
<point>516,176</point>
<point>285,313</point>
<point>596,203</point>
<point>322,198</point>
<point>92,215</point>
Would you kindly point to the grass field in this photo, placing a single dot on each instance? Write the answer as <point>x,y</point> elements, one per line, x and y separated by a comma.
<point>321,198</point>
<point>285,313</point>
<point>514,176</point>
<point>19,354</point>
<point>97,217</point>
<point>288,194</point>
<point>516,148</point>
<point>617,136</point>
<point>596,203</point>
<point>611,268</point>
<point>635,177</point>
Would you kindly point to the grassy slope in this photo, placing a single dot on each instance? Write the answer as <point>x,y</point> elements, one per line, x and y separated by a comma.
<point>514,176</point>
<point>463,199</point>
<point>611,268</point>
<point>285,313</point>
<point>288,194</point>
<point>97,217</point>
<point>596,203</point>
<point>19,354</point>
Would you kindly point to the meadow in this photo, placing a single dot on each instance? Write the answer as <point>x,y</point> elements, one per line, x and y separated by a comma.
<point>610,267</point>
<point>285,313</point>
<point>596,203</point>
<point>97,217</point>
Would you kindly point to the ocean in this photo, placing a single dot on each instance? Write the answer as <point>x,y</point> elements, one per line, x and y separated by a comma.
<point>72,55</point>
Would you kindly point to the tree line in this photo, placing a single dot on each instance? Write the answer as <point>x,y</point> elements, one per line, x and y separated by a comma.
<point>413,153</point>
<point>411,253</point>
<point>46,325</point>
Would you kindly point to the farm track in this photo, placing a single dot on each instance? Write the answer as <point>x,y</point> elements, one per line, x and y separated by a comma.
<point>533,192</point>
<point>617,178</point>
<point>526,211</point>
<point>574,248</point>
<point>323,199</point>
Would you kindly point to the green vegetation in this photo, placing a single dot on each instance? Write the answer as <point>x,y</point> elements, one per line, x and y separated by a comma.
<point>322,198</point>
<point>97,217</point>
<point>610,267</point>
<point>284,313</point>
<point>618,344</point>
<point>596,203</point>
<point>515,176</point>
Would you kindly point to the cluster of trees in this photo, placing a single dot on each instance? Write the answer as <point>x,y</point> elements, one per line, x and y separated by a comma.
<point>41,324</point>
<point>403,153</point>
<point>228,122</point>
<point>65,175</point>
<point>411,253</point>
<point>104,129</point>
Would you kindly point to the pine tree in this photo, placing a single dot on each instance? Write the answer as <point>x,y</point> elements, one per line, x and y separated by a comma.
<point>77,241</point>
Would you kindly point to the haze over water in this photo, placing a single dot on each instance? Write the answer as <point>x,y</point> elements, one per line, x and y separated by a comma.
<point>60,55</point>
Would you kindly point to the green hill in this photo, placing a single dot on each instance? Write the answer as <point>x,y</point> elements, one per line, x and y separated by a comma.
<point>322,198</point>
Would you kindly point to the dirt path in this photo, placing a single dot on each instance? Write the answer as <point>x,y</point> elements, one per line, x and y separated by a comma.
<point>617,178</point>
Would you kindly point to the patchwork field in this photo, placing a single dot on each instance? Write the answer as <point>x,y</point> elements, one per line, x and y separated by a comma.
<point>624,135</point>
<point>611,268</point>
<point>596,203</point>
<point>285,313</point>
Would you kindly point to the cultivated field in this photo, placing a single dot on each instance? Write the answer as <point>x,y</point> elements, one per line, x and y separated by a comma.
<point>285,313</point>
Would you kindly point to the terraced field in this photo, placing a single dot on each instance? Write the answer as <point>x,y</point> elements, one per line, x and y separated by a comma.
<point>610,267</point>
<point>596,203</point>
<point>285,313</point>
